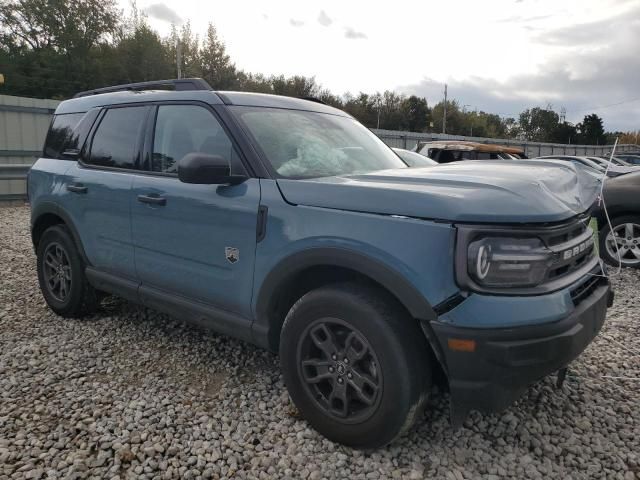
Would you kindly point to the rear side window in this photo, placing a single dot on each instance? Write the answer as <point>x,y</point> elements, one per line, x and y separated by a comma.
<point>115,143</point>
<point>60,134</point>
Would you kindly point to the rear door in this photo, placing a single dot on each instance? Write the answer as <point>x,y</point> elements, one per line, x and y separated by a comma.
<point>98,188</point>
<point>194,241</point>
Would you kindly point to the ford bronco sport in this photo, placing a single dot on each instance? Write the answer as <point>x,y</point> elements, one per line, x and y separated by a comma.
<point>286,223</point>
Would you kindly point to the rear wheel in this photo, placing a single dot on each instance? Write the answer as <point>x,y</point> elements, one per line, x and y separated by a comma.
<point>355,365</point>
<point>623,241</point>
<point>61,274</point>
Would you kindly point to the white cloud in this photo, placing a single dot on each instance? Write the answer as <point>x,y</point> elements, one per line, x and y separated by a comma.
<point>162,12</point>
<point>353,34</point>
<point>501,55</point>
<point>324,19</point>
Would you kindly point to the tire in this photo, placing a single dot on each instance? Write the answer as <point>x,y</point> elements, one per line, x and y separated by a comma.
<point>58,257</point>
<point>627,233</point>
<point>378,348</point>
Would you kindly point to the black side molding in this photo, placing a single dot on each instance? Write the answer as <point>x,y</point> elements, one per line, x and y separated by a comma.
<point>449,303</point>
<point>261,226</point>
<point>187,309</point>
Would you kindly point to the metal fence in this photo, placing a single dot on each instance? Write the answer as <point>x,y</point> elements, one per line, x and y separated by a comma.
<point>408,140</point>
<point>24,123</point>
<point>23,126</point>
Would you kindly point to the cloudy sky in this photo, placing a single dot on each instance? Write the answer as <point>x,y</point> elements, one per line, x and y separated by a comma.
<point>499,56</point>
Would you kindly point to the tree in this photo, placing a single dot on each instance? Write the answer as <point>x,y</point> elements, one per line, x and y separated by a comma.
<point>564,132</point>
<point>190,62</point>
<point>538,124</point>
<point>217,68</point>
<point>139,57</point>
<point>415,114</point>
<point>48,44</point>
<point>591,130</point>
<point>456,124</point>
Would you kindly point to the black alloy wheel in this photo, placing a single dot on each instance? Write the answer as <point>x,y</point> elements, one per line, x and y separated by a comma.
<point>57,271</point>
<point>340,370</point>
<point>61,274</point>
<point>356,365</point>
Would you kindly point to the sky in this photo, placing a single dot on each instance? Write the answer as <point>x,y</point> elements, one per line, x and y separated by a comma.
<point>498,56</point>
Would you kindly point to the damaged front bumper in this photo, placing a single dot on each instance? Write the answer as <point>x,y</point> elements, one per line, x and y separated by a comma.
<point>489,368</point>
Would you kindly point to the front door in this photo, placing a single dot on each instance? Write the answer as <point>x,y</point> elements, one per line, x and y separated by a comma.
<point>195,241</point>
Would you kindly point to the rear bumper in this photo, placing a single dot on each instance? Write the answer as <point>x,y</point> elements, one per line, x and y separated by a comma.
<point>506,361</point>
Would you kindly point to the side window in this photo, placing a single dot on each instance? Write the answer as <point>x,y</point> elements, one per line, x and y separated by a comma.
<point>115,143</point>
<point>60,133</point>
<point>183,129</point>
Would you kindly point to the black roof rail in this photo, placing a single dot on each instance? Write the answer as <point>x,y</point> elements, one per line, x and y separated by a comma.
<point>177,83</point>
<point>315,99</point>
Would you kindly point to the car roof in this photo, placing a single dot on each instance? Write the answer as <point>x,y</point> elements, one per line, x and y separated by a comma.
<point>85,103</point>
<point>469,146</point>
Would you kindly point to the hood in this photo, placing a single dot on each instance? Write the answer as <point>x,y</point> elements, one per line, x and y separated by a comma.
<point>470,191</point>
<point>622,169</point>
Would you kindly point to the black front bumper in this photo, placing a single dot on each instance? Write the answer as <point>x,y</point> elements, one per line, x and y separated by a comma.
<point>506,361</point>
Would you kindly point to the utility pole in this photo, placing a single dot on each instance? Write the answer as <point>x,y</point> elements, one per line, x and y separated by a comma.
<point>179,58</point>
<point>444,115</point>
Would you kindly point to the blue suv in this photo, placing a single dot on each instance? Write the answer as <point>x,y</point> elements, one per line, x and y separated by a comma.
<point>286,223</point>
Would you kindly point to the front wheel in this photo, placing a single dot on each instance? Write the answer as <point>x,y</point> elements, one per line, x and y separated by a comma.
<point>622,245</point>
<point>355,364</point>
<point>61,274</point>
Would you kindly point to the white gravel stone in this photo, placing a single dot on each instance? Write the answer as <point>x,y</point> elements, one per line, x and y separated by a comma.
<point>130,393</point>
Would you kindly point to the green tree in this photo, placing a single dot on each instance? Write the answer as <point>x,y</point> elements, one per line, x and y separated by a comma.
<point>456,122</point>
<point>190,61</point>
<point>415,114</point>
<point>49,44</point>
<point>140,56</point>
<point>296,86</point>
<point>564,132</point>
<point>592,130</point>
<point>538,124</point>
<point>217,68</point>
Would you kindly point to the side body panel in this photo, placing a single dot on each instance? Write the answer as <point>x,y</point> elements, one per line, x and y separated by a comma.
<point>101,216</point>
<point>201,243</point>
<point>418,252</point>
<point>45,184</point>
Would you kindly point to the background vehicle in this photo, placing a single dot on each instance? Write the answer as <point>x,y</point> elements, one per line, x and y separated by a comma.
<point>631,158</point>
<point>414,159</point>
<point>452,151</point>
<point>614,160</point>
<point>613,171</point>
<point>287,223</point>
<point>619,165</point>
<point>622,196</point>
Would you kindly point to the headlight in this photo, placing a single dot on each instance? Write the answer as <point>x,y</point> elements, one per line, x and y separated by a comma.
<point>508,262</point>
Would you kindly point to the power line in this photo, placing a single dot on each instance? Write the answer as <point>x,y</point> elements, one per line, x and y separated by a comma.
<point>597,107</point>
<point>631,100</point>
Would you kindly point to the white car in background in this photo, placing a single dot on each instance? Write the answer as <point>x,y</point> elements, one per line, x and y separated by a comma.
<point>414,159</point>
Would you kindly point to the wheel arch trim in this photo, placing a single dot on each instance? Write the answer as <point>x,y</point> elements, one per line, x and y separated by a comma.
<point>50,208</point>
<point>294,264</point>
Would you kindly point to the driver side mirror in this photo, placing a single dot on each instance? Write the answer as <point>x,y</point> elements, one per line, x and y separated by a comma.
<point>205,169</point>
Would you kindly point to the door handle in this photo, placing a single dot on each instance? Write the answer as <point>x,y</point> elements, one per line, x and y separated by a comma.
<point>152,199</point>
<point>77,188</point>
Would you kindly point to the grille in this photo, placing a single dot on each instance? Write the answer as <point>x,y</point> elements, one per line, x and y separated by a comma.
<point>573,247</point>
<point>586,289</point>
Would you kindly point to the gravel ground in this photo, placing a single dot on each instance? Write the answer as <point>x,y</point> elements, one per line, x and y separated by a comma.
<point>129,393</point>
